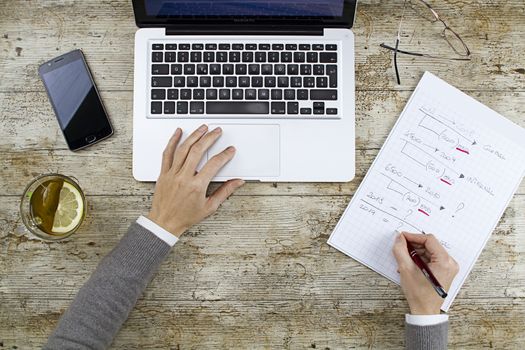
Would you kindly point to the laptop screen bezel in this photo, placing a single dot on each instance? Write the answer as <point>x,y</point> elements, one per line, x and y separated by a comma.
<point>142,19</point>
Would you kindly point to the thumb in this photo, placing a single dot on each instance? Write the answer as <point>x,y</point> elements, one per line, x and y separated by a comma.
<point>400,251</point>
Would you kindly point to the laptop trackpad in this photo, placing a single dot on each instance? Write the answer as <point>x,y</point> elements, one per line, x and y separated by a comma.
<point>257,150</point>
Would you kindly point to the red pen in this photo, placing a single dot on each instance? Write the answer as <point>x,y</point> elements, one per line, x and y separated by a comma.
<point>426,271</point>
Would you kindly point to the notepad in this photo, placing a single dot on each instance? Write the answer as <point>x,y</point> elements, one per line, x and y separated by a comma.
<point>449,167</point>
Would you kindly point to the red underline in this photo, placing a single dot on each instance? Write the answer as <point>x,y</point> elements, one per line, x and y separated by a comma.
<point>424,212</point>
<point>445,181</point>
<point>462,150</point>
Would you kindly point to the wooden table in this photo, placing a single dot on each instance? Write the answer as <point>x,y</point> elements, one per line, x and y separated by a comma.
<point>259,273</point>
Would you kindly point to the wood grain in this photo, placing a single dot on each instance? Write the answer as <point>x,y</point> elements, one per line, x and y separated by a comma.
<point>258,274</point>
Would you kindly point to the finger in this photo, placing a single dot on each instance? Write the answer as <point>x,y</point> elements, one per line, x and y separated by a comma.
<point>182,151</point>
<point>223,192</point>
<point>212,167</point>
<point>430,242</point>
<point>400,251</point>
<point>198,150</point>
<point>169,152</point>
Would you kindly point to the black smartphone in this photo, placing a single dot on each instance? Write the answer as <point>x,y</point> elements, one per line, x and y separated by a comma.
<point>75,99</point>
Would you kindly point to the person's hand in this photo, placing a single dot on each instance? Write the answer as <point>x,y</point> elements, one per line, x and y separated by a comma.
<point>180,198</point>
<point>421,296</point>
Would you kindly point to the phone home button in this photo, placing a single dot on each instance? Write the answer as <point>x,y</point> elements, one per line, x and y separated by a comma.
<point>91,139</point>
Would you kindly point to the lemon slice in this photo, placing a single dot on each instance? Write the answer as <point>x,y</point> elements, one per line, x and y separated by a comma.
<point>70,209</point>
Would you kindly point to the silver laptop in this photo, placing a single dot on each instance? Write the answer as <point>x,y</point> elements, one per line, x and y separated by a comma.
<point>276,75</point>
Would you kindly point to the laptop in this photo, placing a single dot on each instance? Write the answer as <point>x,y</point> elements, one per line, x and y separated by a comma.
<point>276,75</point>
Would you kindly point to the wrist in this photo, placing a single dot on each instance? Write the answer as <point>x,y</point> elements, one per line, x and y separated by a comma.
<point>173,229</point>
<point>425,310</point>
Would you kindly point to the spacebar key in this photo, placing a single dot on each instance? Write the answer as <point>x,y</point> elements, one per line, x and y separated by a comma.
<point>237,107</point>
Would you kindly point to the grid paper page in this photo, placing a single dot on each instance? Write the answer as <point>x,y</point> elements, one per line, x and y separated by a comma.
<point>449,167</point>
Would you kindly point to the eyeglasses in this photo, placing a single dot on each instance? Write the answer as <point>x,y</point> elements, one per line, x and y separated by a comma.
<point>424,10</point>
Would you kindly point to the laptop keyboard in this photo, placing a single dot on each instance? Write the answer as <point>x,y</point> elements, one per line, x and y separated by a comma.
<point>234,80</point>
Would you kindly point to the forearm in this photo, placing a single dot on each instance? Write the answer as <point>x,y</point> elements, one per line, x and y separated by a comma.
<point>105,301</point>
<point>432,337</point>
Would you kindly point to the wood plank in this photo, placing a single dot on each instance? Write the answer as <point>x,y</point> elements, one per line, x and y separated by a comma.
<point>300,324</point>
<point>239,254</point>
<point>32,144</point>
<point>35,31</point>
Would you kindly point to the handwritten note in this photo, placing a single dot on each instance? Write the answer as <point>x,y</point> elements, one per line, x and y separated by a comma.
<point>449,167</point>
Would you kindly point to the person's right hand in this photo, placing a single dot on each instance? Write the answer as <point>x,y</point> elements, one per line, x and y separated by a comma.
<point>421,296</point>
<point>180,199</point>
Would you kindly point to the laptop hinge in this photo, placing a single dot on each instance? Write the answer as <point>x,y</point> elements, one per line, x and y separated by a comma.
<point>245,30</point>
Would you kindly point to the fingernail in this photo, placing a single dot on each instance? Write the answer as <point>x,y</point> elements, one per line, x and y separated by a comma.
<point>230,149</point>
<point>203,127</point>
<point>218,129</point>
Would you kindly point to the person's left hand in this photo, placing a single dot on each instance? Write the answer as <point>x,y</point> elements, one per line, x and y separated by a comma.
<point>180,199</point>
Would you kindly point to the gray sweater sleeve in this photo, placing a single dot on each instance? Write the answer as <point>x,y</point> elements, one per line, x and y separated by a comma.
<point>106,299</point>
<point>433,337</point>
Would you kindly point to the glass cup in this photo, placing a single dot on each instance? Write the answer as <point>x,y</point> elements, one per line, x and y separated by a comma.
<point>53,206</point>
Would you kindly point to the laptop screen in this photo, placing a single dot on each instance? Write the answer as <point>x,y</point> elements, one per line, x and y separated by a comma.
<point>245,8</point>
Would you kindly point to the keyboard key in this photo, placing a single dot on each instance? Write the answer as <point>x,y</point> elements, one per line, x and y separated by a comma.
<point>221,56</point>
<point>312,57</point>
<point>170,56</point>
<point>161,81</point>
<point>244,81</point>
<point>182,107</point>
<point>156,107</point>
<point>224,46</point>
<point>231,81</point>
<point>247,56</point>
<point>196,56</point>
<point>211,94</point>
<point>205,81</point>
<point>298,57</point>
<point>202,69</point>
<point>235,56</point>
<point>331,111</point>
<point>192,81</point>
<point>173,94</point>
<point>318,47</point>
<point>227,69</point>
<point>323,95</point>
<point>184,46</point>
<point>185,94</point>
<point>158,94</point>
<point>197,47</point>
<point>196,107</point>
<point>176,69</point>
<point>318,105</point>
<point>289,94</point>
<point>286,56</point>
<point>211,46</point>
<point>237,46</point>
<point>218,81</point>
<point>277,47</point>
<point>169,107</point>
<point>241,69</point>
<point>306,111</point>
<point>160,69</point>
<point>183,56</point>
<point>293,69</point>
<point>260,57</point>
<point>283,81</point>
<point>157,47</point>
<point>269,82</point>
<point>331,47</point>
<point>279,69</point>
<point>291,46</point>
<point>277,94</point>
<point>224,94</point>
<point>296,82</point>
<point>321,82</point>
<point>309,82</point>
<point>157,56</point>
<point>292,107</point>
<point>318,111</point>
<point>254,69</point>
<point>273,56</point>
<point>331,71</point>
<point>306,69</point>
<point>179,81</point>
<point>250,94</point>
<point>304,47</point>
<point>251,46</point>
<point>171,46</point>
<point>215,69</point>
<point>264,94</point>
<point>209,56</point>
<point>278,107</point>
<point>257,81</point>
<point>237,108</point>
<point>189,69</point>
<point>237,94</point>
<point>266,69</point>
<point>328,57</point>
<point>264,46</point>
<point>302,94</point>
<point>318,69</point>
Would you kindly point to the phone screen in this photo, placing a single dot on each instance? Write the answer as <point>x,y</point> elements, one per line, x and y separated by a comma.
<point>75,100</point>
